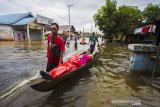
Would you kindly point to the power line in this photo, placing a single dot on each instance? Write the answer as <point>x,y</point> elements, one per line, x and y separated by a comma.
<point>17,4</point>
<point>39,5</point>
<point>27,10</point>
<point>47,9</point>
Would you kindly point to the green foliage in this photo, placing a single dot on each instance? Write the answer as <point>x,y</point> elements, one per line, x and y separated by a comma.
<point>127,17</point>
<point>104,17</point>
<point>152,12</point>
<point>113,20</point>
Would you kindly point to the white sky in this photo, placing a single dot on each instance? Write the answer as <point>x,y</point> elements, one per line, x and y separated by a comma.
<point>82,11</point>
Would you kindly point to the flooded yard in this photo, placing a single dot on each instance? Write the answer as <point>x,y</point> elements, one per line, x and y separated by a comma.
<point>103,85</point>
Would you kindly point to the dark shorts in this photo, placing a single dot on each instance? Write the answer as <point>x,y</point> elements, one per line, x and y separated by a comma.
<point>92,47</point>
<point>50,66</point>
<point>75,45</point>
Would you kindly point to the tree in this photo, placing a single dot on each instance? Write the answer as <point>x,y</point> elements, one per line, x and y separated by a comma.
<point>104,18</point>
<point>126,18</point>
<point>113,20</point>
<point>151,12</point>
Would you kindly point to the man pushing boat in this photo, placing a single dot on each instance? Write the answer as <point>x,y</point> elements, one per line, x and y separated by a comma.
<point>92,40</point>
<point>55,48</point>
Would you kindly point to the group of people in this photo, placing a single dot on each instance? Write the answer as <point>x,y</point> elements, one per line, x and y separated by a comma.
<point>56,47</point>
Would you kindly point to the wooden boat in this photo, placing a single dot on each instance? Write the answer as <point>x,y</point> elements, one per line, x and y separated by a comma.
<point>44,85</point>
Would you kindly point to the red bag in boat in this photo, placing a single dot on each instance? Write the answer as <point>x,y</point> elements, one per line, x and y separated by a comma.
<point>74,60</point>
<point>70,66</point>
<point>59,71</point>
<point>62,69</point>
<point>85,58</point>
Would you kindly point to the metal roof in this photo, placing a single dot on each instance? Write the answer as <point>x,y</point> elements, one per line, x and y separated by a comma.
<point>25,21</point>
<point>12,18</point>
<point>66,28</point>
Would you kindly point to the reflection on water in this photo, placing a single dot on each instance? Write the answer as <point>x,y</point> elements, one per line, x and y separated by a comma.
<point>112,87</point>
<point>100,86</point>
<point>19,62</point>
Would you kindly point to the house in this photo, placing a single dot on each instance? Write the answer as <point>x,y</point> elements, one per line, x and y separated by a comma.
<point>146,38</point>
<point>67,27</point>
<point>23,26</point>
<point>143,34</point>
<point>65,30</point>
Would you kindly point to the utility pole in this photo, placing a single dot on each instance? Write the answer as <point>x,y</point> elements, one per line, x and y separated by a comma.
<point>91,29</point>
<point>83,30</point>
<point>69,17</point>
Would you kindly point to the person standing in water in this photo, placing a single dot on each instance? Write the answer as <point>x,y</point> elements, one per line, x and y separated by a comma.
<point>56,48</point>
<point>75,44</point>
<point>92,40</point>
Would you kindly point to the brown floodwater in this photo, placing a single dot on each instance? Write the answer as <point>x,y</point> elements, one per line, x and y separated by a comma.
<point>106,84</point>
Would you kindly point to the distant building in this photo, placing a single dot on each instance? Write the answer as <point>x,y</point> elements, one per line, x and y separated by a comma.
<point>23,26</point>
<point>66,28</point>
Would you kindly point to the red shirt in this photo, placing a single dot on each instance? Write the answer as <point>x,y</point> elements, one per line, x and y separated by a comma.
<point>60,43</point>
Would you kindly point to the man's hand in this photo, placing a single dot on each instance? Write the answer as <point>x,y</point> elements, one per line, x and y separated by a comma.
<point>60,62</point>
<point>98,45</point>
<point>61,58</point>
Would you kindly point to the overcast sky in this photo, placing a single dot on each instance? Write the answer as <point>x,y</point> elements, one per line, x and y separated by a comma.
<point>82,11</point>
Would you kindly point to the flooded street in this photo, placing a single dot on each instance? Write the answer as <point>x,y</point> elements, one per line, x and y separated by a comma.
<point>103,85</point>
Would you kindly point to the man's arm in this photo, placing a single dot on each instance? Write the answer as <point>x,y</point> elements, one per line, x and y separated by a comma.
<point>62,49</point>
<point>89,38</point>
<point>97,40</point>
<point>47,45</point>
<point>47,53</point>
<point>61,57</point>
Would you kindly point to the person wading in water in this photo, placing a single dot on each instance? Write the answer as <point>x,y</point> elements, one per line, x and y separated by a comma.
<point>92,40</point>
<point>55,50</point>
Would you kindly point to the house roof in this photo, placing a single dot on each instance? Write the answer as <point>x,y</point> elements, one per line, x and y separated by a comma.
<point>25,21</point>
<point>148,23</point>
<point>12,19</point>
<point>66,28</point>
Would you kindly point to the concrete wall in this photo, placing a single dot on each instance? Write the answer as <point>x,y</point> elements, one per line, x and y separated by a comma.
<point>35,35</point>
<point>6,32</point>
